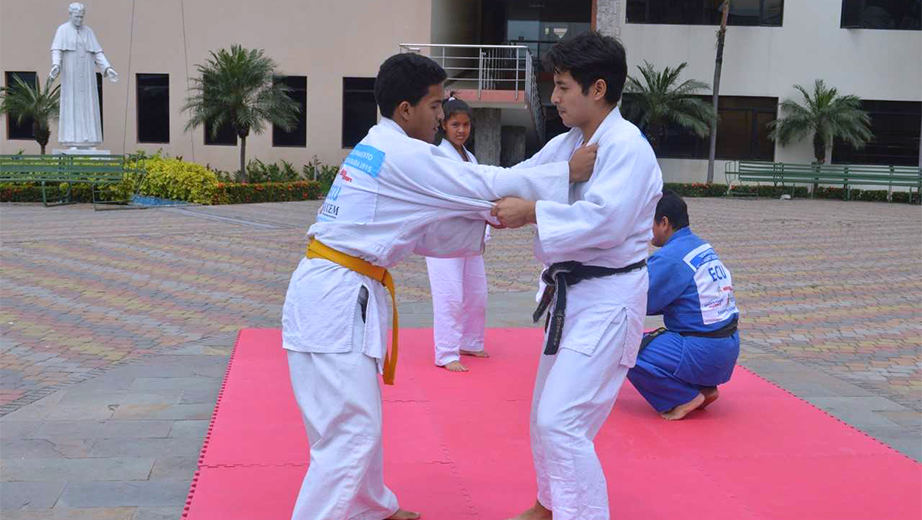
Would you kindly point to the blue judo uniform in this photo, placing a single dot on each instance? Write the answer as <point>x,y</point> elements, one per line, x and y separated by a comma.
<point>692,289</point>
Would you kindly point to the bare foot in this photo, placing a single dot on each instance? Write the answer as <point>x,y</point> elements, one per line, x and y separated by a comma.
<point>682,410</point>
<point>455,366</point>
<point>402,514</point>
<point>535,512</point>
<point>710,395</point>
<point>474,353</point>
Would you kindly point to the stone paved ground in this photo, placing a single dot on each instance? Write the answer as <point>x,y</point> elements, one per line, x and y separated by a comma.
<point>115,328</point>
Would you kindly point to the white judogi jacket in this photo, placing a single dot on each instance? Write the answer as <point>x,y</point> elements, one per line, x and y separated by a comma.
<point>607,221</point>
<point>453,154</point>
<point>395,196</point>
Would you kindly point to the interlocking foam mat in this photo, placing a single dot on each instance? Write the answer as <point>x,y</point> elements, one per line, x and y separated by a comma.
<point>456,446</point>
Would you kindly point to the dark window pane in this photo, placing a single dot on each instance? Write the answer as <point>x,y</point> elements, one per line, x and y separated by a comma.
<point>745,12</point>
<point>153,108</point>
<point>903,15</point>
<point>22,130</point>
<point>896,127</point>
<point>741,134</point>
<point>226,135</point>
<point>636,11</point>
<point>298,135</point>
<point>705,12</point>
<point>734,135</point>
<point>851,13</point>
<point>772,12</point>
<point>360,112</point>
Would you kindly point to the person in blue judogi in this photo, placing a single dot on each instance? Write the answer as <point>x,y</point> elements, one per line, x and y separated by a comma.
<point>679,366</point>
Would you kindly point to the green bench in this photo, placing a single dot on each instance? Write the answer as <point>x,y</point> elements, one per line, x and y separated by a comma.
<point>845,175</point>
<point>52,170</point>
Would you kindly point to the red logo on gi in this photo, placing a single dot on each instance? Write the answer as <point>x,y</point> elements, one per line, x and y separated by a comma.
<point>345,176</point>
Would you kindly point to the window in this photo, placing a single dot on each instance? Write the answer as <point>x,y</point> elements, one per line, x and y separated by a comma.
<point>882,14</point>
<point>298,93</point>
<point>742,132</point>
<point>895,125</point>
<point>360,112</point>
<point>768,13</point>
<point>153,108</point>
<point>540,25</point>
<point>22,130</point>
<point>226,135</point>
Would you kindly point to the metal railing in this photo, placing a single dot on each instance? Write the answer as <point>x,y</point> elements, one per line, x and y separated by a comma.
<point>488,67</point>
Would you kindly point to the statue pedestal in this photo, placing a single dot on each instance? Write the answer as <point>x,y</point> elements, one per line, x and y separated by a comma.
<point>78,151</point>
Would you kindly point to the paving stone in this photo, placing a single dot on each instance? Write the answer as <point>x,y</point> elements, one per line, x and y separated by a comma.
<point>29,495</point>
<point>173,383</point>
<point>196,429</point>
<point>103,429</point>
<point>80,411</point>
<point>66,513</point>
<point>165,411</point>
<point>158,513</point>
<point>209,396</point>
<point>174,468</point>
<point>154,493</point>
<point>44,448</point>
<point>18,429</point>
<point>131,447</point>
<point>39,470</point>
<point>122,397</point>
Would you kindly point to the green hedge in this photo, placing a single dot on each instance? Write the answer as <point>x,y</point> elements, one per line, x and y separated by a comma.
<point>825,192</point>
<point>700,189</point>
<point>235,193</point>
<point>223,193</point>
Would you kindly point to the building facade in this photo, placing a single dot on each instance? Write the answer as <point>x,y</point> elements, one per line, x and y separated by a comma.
<point>329,52</point>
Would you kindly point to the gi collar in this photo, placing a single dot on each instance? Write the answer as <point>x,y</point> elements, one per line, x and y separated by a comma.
<point>390,124</point>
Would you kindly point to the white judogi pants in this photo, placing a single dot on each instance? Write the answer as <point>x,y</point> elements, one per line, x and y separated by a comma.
<point>574,394</point>
<point>340,400</point>
<point>459,305</point>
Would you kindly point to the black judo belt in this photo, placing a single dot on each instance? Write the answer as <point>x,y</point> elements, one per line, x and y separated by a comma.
<point>557,277</point>
<point>724,332</point>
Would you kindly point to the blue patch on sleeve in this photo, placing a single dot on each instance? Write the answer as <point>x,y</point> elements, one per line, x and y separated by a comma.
<point>366,159</point>
<point>703,257</point>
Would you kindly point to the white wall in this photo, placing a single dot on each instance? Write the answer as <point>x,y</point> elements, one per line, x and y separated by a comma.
<point>768,61</point>
<point>324,40</point>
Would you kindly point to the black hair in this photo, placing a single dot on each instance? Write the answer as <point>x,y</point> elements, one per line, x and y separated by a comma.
<point>674,208</point>
<point>405,77</point>
<point>590,57</point>
<point>450,107</point>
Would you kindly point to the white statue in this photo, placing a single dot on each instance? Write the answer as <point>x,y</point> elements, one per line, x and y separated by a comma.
<point>74,53</point>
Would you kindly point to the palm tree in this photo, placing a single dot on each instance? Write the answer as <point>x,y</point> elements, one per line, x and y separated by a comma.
<point>718,64</point>
<point>827,115</point>
<point>24,101</point>
<point>239,88</point>
<point>659,101</point>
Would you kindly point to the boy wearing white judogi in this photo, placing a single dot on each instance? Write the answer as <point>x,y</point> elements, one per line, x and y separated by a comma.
<point>395,195</point>
<point>596,246</point>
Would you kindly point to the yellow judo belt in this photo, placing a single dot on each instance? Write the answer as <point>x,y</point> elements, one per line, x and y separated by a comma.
<point>316,249</point>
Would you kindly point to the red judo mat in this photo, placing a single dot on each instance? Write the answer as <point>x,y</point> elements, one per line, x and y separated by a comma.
<point>456,446</point>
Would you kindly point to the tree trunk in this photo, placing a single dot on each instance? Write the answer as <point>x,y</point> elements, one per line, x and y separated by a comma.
<point>41,135</point>
<point>243,158</point>
<point>819,149</point>
<point>718,63</point>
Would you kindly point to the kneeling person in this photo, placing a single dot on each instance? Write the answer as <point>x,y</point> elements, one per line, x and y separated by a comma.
<point>679,367</point>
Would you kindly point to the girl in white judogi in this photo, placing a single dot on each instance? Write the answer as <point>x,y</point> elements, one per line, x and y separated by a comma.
<point>459,285</point>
